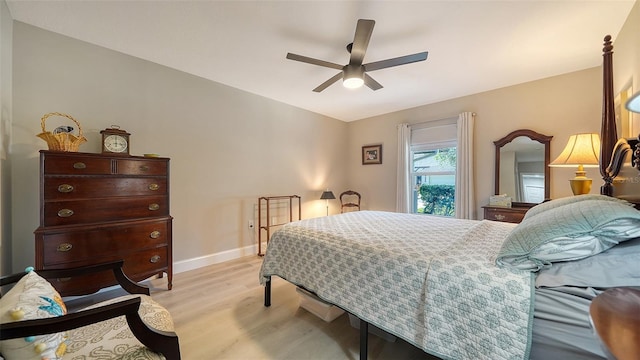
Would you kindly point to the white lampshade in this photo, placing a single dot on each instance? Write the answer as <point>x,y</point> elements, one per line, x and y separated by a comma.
<point>633,104</point>
<point>581,150</point>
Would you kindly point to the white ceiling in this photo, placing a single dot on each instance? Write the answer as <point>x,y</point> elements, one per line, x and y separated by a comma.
<point>473,46</point>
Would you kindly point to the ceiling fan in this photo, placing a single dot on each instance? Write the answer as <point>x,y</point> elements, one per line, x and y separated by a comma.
<point>354,74</point>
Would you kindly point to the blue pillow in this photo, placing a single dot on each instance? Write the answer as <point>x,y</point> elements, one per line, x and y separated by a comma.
<point>570,200</point>
<point>616,267</point>
<point>572,231</point>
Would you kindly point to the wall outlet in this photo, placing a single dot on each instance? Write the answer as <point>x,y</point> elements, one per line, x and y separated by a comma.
<point>250,224</point>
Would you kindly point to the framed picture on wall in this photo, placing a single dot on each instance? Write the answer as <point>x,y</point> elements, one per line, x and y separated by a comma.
<point>371,154</point>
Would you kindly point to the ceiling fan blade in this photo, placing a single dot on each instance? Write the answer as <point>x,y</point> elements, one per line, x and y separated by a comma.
<point>361,41</point>
<point>326,84</point>
<point>407,59</point>
<point>372,84</point>
<point>313,61</point>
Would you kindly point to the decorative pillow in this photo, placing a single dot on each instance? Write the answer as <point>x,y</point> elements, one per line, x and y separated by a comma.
<point>569,232</point>
<point>616,267</point>
<point>540,208</point>
<point>32,298</point>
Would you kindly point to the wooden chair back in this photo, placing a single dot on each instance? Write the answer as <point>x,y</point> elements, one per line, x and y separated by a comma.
<point>349,200</point>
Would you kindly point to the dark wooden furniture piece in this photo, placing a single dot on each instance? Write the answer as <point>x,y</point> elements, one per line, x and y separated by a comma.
<point>615,315</point>
<point>513,214</point>
<point>516,212</point>
<point>162,342</point>
<point>265,215</point>
<point>613,151</point>
<point>544,140</point>
<point>350,200</point>
<point>97,208</point>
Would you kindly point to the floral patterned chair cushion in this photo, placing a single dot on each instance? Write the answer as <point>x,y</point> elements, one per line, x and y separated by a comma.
<point>112,339</point>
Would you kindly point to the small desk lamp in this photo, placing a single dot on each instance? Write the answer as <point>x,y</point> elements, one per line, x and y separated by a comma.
<point>581,150</point>
<point>327,195</point>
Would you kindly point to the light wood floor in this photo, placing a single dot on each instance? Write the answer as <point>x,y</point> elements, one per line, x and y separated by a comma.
<point>219,314</point>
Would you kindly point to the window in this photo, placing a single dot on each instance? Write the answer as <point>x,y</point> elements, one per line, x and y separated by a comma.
<point>433,169</point>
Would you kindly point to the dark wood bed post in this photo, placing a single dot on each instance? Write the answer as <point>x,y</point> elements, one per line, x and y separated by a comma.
<point>608,131</point>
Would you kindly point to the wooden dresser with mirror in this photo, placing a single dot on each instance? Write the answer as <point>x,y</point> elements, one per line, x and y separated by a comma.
<point>521,172</point>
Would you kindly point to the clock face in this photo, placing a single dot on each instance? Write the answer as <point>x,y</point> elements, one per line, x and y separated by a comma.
<point>115,143</point>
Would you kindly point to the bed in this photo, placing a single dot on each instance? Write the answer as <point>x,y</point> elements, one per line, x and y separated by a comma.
<point>461,289</point>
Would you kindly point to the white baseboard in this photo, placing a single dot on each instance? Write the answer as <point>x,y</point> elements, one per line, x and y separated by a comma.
<point>201,261</point>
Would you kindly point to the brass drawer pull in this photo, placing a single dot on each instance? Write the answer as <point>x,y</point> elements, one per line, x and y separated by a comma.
<point>65,188</point>
<point>155,258</point>
<point>500,217</point>
<point>79,165</point>
<point>64,213</point>
<point>154,207</point>
<point>64,247</point>
<point>63,279</point>
<point>154,234</point>
<point>144,168</point>
<point>154,187</point>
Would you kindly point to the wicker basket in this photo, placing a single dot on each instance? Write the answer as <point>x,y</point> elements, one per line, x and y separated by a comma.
<point>64,141</point>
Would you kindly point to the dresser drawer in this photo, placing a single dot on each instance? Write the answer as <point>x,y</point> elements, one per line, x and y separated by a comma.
<point>138,266</point>
<point>87,245</point>
<point>67,187</point>
<point>104,210</point>
<point>141,166</point>
<point>504,214</point>
<point>76,165</point>
<point>93,164</point>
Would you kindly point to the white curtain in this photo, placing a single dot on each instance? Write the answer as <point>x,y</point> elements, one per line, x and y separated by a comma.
<point>465,194</point>
<point>403,193</point>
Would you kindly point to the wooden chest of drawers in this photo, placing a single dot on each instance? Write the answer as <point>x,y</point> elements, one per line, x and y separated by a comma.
<point>513,214</point>
<point>96,208</point>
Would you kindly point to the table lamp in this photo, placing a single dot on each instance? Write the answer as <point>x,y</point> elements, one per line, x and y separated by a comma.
<point>327,195</point>
<point>582,150</point>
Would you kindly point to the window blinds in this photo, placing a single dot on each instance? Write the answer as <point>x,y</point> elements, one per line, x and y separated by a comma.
<point>434,135</point>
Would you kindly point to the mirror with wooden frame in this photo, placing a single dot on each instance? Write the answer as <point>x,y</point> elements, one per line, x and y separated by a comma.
<point>522,167</point>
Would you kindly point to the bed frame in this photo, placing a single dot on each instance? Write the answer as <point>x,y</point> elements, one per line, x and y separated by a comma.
<point>613,152</point>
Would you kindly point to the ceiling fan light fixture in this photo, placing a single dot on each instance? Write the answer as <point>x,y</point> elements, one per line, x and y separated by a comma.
<point>353,77</point>
<point>353,83</point>
<point>354,74</point>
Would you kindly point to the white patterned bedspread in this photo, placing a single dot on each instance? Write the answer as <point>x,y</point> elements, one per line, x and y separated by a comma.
<point>429,280</point>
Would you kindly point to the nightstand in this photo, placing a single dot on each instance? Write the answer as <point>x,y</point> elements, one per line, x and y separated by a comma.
<point>505,214</point>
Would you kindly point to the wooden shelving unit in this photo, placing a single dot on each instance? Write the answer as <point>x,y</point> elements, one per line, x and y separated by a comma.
<point>265,222</point>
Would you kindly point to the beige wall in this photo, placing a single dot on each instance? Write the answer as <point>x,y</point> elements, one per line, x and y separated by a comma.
<point>227,147</point>
<point>6,32</point>
<point>557,106</point>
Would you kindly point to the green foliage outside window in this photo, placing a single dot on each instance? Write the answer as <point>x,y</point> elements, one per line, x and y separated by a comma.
<point>447,157</point>
<point>438,199</point>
